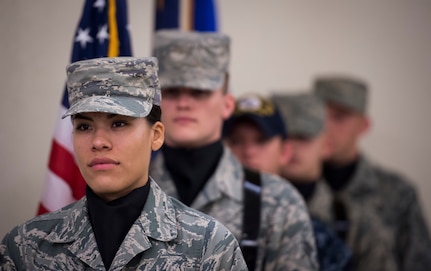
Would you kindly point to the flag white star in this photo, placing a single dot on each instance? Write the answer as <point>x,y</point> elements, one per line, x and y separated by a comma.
<point>99,4</point>
<point>83,37</point>
<point>103,33</point>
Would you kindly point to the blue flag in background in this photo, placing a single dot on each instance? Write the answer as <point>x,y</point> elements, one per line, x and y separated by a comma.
<point>167,14</point>
<point>203,15</point>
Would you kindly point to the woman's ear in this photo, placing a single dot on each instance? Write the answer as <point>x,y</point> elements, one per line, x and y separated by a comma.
<point>158,136</point>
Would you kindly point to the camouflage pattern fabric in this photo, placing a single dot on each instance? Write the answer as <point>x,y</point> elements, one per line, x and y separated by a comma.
<point>303,113</point>
<point>167,236</point>
<point>285,241</point>
<point>387,230</point>
<point>127,86</point>
<point>192,59</point>
<point>342,90</point>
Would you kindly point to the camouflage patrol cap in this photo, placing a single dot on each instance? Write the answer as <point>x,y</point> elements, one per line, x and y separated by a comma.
<point>197,60</point>
<point>261,111</point>
<point>304,114</point>
<point>122,85</point>
<point>344,91</point>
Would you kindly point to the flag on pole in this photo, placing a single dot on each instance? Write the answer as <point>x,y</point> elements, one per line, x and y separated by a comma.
<point>187,15</point>
<point>102,32</point>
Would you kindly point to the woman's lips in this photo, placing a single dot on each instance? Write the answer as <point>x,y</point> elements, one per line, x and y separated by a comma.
<point>103,163</point>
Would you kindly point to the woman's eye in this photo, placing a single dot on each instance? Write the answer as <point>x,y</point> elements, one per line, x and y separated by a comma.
<point>117,124</point>
<point>82,127</point>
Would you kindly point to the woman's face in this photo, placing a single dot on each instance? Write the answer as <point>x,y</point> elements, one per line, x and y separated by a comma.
<point>113,151</point>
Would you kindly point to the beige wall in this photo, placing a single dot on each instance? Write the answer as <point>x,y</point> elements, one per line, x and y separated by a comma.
<point>275,45</point>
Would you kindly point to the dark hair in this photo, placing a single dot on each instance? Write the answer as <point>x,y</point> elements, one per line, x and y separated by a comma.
<point>155,114</point>
<point>225,88</point>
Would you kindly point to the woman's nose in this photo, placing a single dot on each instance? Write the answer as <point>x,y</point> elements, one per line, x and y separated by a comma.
<point>101,140</point>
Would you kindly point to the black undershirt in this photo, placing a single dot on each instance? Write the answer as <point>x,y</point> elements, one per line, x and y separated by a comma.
<point>111,221</point>
<point>190,169</point>
<point>339,176</point>
<point>306,188</point>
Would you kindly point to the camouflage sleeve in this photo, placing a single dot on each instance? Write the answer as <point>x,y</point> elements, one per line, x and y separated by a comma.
<point>298,244</point>
<point>221,250</point>
<point>413,243</point>
<point>8,247</point>
<point>292,245</point>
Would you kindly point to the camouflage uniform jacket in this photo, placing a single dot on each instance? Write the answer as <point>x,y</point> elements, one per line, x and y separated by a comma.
<point>166,236</point>
<point>285,241</point>
<point>387,230</point>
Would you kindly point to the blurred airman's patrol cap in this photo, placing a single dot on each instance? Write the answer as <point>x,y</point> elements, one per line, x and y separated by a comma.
<point>259,110</point>
<point>344,91</point>
<point>197,60</point>
<point>304,113</point>
<point>122,85</point>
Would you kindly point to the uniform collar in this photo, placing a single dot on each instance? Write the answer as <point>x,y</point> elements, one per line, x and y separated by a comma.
<point>226,180</point>
<point>363,180</point>
<point>157,221</point>
<point>191,168</point>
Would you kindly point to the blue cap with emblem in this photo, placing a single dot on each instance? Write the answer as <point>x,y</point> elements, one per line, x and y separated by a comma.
<point>260,111</point>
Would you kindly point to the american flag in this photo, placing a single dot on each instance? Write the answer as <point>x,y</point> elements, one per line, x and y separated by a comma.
<point>102,32</point>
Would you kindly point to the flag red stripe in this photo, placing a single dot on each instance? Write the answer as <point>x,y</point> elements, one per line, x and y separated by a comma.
<point>42,209</point>
<point>62,163</point>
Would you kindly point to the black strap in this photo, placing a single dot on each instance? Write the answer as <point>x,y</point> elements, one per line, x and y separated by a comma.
<point>341,223</point>
<point>251,219</point>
